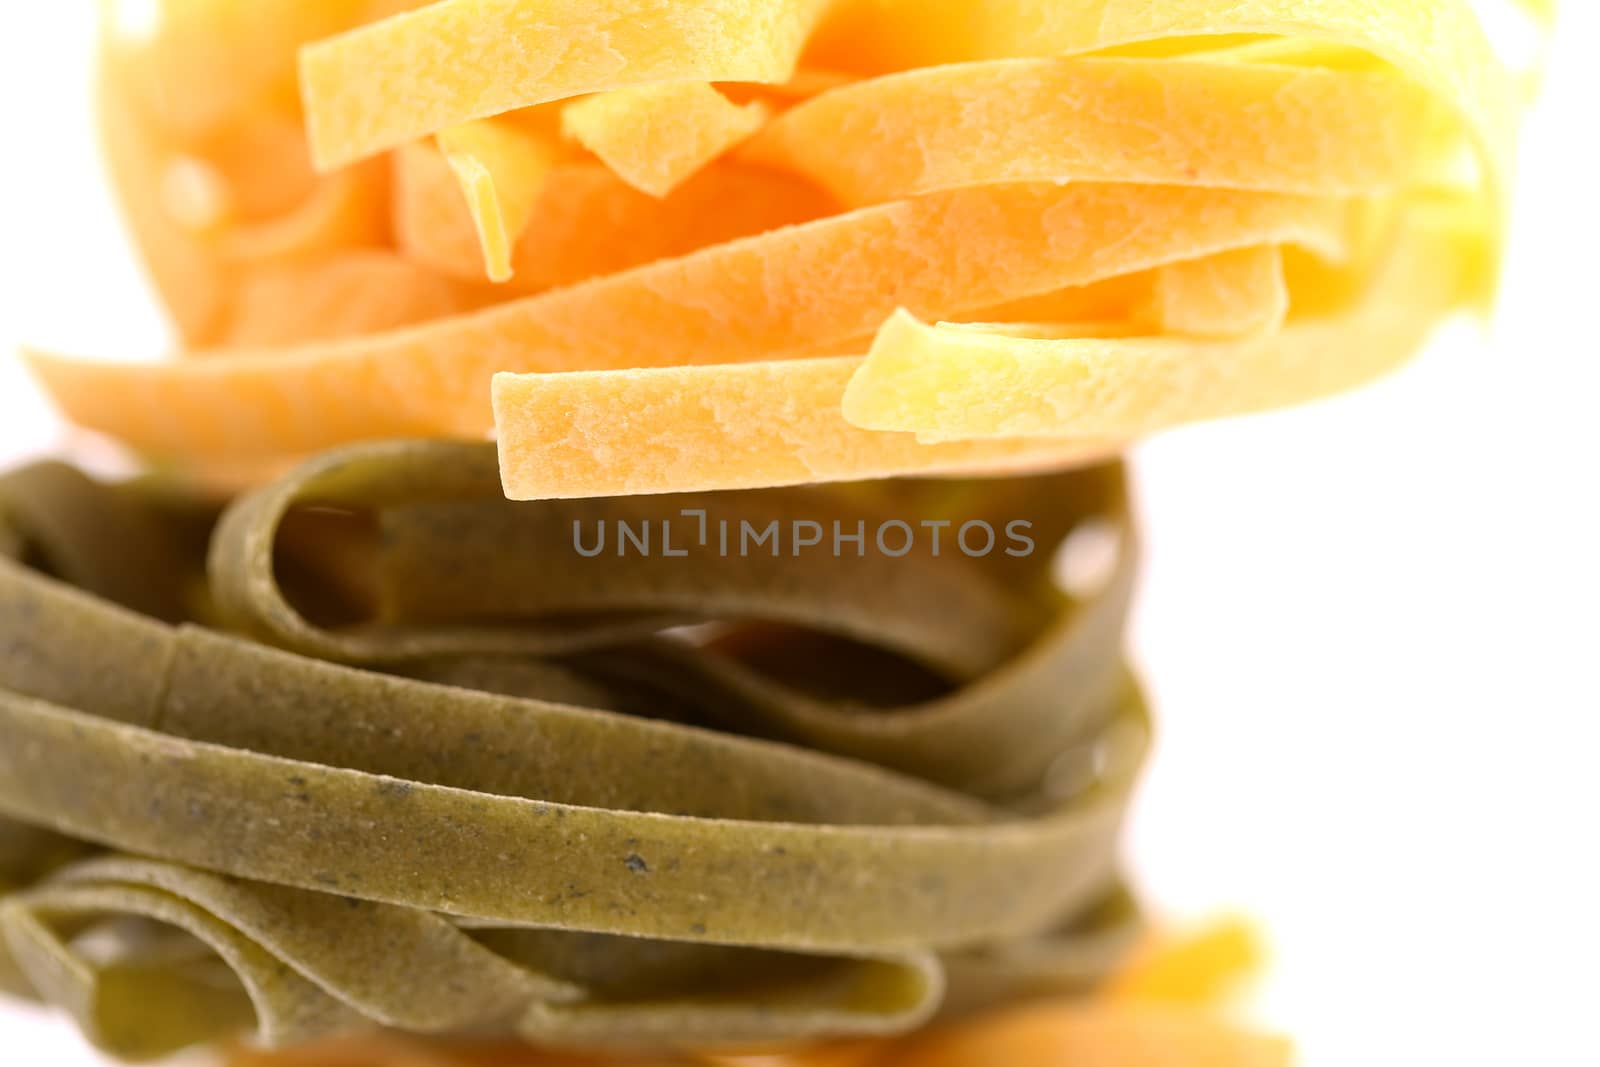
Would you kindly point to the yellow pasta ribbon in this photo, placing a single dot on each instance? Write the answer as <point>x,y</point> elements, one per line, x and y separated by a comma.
<point>587,221</point>
<point>466,59</point>
<point>1225,295</point>
<point>501,170</point>
<point>656,136</point>
<point>791,291</point>
<point>973,381</point>
<point>1216,122</point>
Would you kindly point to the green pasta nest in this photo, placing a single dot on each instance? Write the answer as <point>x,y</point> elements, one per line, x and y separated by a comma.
<point>374,746</point>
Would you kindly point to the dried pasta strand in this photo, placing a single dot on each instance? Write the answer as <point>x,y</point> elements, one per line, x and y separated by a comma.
<point>459,60</point>
<point>501,170</point>
<point>1440,43</point>
<point>1186,971</point>
<point>688,429</point>
<point>588,222</point>
<point>1209,122</point>
<point>1231,294</point>
<point>828,281</point>
<point>655,137</point>
<point>1227,294</point>
<point>957,381</point>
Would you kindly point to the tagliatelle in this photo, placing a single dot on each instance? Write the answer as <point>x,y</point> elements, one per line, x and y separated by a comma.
<point>347,294</point>
<point>1440,43</point>
<point>656,136</point>
<point>967,381</point>
<point>791,291</point>
<point>1203,121</point>
<point>698,428</point>
<point>779,423</point>
<point>626,761</point>
<point>465,59</point>
<point>1095,159</point>
<point>1134,1025</point>
<point>1226,295</point>
<point>313,872</point>
<point>588,222</point>
<point>501,170</point>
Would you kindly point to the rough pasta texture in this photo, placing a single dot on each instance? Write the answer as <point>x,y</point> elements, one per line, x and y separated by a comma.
<point>378,763</point>
<point>376,746</point>
<point>933,237</point>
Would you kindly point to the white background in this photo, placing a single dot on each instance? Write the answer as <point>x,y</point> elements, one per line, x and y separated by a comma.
<point>1372,627</point>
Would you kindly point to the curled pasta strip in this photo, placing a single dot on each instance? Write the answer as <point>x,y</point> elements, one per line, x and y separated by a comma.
<point>531,56</point>
<point>587,222</point>
<point>583,843</point>
<point>958,381</point>
<point>791,291</point>
<point>454,557</point>
<point>1206,122</point>
<point>1439,43</point>
<point>452,563</point>
<point>1158,1009</point>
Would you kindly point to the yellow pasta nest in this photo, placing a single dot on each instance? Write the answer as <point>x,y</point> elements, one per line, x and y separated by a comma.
<point>695,244</point>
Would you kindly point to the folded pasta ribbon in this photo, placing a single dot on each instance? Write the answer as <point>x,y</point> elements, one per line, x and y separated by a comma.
<point>718,244</point>
<point>1137,1022</point>
<point>379,747</point>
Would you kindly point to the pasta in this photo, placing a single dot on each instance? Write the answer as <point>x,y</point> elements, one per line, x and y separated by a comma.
<point>576,664</point>
<point>656,136</point>
<point>218,760</point>
<point>500,170</point>
<point>1134,1025</point>
<point>694,245</point>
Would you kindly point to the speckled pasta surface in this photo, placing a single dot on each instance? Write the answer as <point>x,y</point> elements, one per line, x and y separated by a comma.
<point>375,746</point>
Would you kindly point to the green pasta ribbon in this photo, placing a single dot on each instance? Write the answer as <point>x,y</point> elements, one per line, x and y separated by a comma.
<point>375,747</point>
